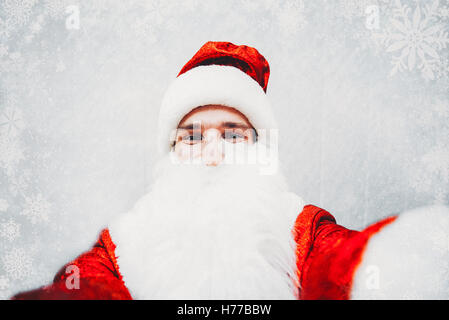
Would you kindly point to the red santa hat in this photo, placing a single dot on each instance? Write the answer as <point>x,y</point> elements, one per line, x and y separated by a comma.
<point>219,73</point>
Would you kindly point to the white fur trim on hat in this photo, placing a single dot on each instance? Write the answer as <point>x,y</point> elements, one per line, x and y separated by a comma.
<point>213,84</point>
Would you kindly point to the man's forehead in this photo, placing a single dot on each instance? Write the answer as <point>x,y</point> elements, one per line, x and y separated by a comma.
<point>214,116</point>
<point>190,125</point>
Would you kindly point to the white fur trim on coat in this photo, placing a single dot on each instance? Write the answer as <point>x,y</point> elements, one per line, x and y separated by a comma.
<point>213,84</point>
<point>408,259</point>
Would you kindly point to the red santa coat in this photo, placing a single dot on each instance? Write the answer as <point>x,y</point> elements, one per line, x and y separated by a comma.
<point>327,258</point>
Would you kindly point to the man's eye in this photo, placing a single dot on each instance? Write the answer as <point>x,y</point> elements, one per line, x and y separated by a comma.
<point>234,137</point>
<point>191,139</point>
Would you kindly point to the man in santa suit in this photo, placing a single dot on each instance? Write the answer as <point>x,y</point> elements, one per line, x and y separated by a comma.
<point>221,223</point>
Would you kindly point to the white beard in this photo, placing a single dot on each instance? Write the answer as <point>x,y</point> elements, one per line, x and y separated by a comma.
<point>210,233</point>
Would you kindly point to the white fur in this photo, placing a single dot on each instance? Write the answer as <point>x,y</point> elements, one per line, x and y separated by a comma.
<point>408,259</point>
<point>213,84</point>
<point>210,233</point>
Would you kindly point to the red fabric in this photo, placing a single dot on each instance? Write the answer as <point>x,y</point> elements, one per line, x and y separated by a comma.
<point>328,254</point>
<point>327,257</point>
<point>245,58</point>
<point>99,276</point>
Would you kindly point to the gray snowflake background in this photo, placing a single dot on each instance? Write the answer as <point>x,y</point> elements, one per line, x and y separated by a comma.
<point>360,88</point>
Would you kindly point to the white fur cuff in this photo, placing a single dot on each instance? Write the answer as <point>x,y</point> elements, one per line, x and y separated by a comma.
<point>408,259</point>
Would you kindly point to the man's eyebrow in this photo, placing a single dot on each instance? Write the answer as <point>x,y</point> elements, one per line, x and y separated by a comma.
<point>226,124</point>
<point>230,124</point>
<point>189,126</point>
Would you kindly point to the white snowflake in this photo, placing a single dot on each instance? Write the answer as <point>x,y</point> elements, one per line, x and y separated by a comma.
<point>11,121</point>
<point>415,39</point>
<point>10,230</point>
<point>36,208</point>
<point>17,264</point>
<point>4,282</point>
<point>3,205</point>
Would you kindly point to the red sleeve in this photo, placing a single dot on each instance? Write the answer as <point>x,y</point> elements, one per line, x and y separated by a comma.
<point>99,277</point>
<point>328,254</point>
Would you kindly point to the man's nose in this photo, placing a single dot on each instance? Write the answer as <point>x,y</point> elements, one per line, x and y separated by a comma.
<point>212,153</point>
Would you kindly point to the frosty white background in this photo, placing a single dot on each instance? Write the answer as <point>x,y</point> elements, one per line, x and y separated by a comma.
<point>360,89</point>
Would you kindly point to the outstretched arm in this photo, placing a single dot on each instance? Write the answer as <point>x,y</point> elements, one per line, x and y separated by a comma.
<point>93,275</point>
<point>400,257</point>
